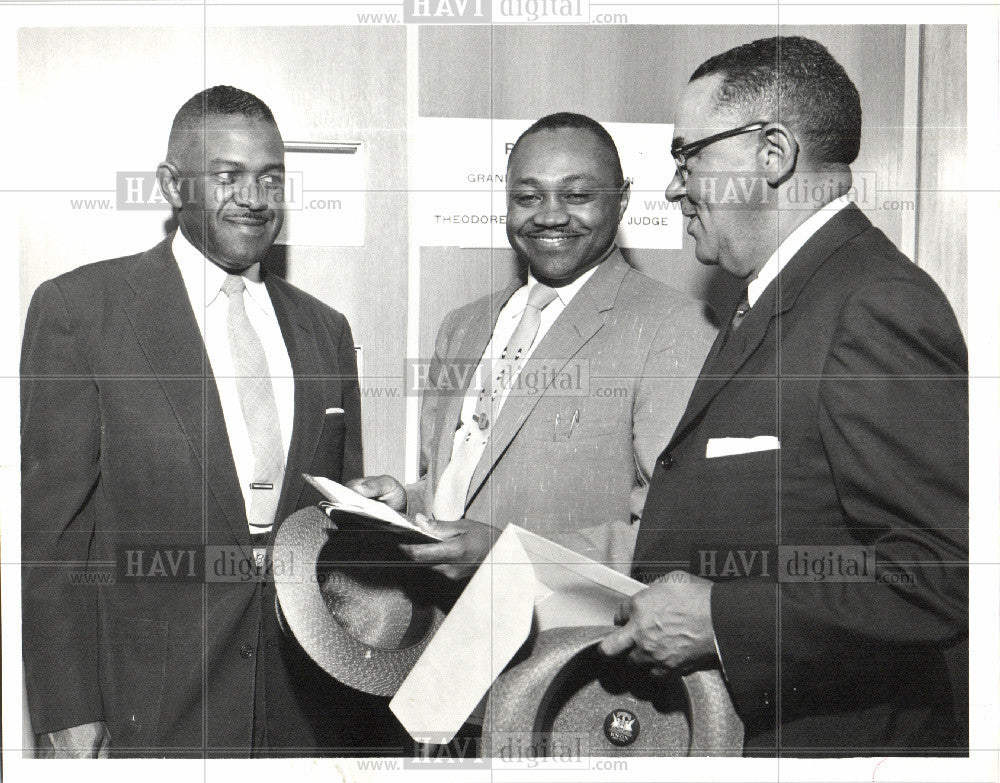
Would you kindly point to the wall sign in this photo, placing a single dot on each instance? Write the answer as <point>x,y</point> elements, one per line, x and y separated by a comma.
<point>459,178</point>
<point>325,194</point>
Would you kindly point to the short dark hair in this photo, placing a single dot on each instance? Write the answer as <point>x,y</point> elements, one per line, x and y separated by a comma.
<point>567,119</point>
<point>221,99</point>
<point>797,81</point>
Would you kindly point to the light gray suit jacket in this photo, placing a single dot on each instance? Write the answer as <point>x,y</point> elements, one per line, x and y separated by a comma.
<point>572,464</point>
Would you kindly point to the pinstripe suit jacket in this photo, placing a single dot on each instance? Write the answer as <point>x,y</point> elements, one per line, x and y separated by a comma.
<point>572,464</point>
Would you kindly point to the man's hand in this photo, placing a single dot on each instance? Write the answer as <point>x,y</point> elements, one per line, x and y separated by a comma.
<point>383,488</point>
<point>87,741</point>
<point>668,626</point>
<point>458,556</point>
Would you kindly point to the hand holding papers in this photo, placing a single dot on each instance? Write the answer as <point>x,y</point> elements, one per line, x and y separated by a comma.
<point>457,557</point>
<point>367,512</point>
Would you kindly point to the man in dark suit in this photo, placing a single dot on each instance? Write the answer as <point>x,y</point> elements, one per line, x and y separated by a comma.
<point>170,402</point>
<point>815,493</point>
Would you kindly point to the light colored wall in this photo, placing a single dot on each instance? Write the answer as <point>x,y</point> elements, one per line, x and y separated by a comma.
<point>942,209</point>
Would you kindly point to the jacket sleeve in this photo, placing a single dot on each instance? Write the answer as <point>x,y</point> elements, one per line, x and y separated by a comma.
<point>60,474</point>
<point>892,417</point>
<point>420,494</point>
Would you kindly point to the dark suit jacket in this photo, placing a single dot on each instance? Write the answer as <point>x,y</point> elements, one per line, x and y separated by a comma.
<point>125,450</point>
<point>853,359</point>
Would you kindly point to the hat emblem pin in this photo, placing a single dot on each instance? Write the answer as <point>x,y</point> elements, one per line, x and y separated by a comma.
<point>621,727</point>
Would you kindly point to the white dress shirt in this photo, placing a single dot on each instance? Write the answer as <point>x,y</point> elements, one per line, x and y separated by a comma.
<point>203,281</point>
<point>793,244</point>
<point>507,321</point>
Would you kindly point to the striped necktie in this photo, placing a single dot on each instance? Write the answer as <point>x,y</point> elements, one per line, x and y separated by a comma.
<point>256,393</point>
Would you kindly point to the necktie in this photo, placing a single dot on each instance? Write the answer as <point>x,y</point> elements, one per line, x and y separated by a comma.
<point>741,311</point>
<point>453,486</point>
<point>256,393</point>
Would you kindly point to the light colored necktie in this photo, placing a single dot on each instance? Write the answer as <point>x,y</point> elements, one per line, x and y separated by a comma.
<point>256,393</point>
<point>453,486</point>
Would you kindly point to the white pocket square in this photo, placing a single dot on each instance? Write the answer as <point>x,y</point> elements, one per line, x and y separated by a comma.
<point>727,447</point>
<point>330,411</point>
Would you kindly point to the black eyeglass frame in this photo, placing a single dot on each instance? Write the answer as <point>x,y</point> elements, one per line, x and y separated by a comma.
<point>681,153</point>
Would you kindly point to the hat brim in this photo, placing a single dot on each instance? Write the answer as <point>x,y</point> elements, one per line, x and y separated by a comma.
<point>375,670</point>
<point>523,702</point>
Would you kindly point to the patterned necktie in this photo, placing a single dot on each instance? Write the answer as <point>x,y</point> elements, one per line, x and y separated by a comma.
<point>741,310</point>
<point>506,368</point>
<point>256,393</point>
<point>453,485</point>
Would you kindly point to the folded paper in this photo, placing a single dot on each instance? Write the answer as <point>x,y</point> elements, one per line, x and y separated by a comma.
<point>524,579</point>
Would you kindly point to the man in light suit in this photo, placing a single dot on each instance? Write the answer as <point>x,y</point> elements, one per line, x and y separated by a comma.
<point>557,428</point>
<point>147,458</point>
<point>815,492</point>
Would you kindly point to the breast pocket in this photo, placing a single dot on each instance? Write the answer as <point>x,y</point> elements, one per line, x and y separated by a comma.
<point>739,490</point>
<point>568,419</point>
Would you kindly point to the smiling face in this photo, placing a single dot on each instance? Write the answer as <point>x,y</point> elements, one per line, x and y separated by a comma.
<point>564,203</point>
<point>231,185</point>
<point>727,231</point>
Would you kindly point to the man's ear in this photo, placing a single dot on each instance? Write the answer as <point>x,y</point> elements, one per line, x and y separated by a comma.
<point>778,153</point>
<point>623,196</point>
<point>169,179</point>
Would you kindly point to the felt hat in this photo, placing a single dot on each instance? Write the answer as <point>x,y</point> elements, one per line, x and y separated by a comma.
<point>564,699</point>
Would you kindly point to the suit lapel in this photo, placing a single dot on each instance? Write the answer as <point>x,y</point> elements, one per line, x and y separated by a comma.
<point>574,327</point>
<point>308,368</point>
<point>470,344</point>
<point>725,361</point>
<point>165,326</point>
<point>727,356</point>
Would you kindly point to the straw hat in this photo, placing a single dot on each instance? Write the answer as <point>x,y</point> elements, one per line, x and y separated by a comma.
<point>566,699</point>
<point>353,601</point>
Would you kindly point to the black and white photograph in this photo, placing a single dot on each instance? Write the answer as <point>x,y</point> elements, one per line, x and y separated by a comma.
<point>501,390</point>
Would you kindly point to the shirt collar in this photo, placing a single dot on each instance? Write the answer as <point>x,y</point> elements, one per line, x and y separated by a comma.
<point>568,291</point>
<point>204,279</point>
<point>793,244</point>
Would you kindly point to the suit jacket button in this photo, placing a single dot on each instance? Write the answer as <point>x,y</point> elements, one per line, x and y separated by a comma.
<point>246,651</point>
<point>665,461</point>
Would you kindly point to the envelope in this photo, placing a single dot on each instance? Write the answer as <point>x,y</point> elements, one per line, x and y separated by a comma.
<point>524,578</point>
<point>727,447</point>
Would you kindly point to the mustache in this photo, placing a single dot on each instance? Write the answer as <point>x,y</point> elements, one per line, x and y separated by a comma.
<point>251,214</point>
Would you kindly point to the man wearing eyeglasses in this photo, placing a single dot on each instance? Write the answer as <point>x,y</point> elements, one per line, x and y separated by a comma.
<point>817,484</point>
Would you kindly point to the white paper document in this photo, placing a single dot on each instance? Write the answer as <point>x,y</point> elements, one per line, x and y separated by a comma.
<point>524,577</point>
<point>341,498</point>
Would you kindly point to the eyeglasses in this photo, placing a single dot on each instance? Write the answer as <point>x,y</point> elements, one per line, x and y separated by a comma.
<point>681,153</point>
